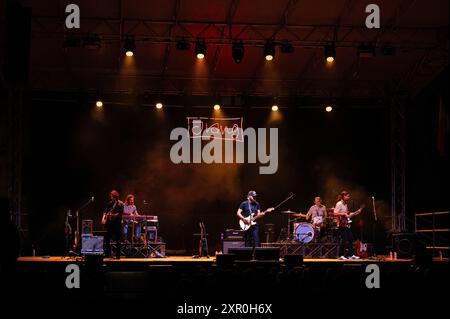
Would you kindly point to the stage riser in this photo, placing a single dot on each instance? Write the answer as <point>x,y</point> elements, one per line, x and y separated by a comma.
<point>311,250</point>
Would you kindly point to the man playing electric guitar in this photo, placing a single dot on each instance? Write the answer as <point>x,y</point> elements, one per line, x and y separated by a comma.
<point>346,250</point>
<point>249,211</point>
<point>112,219</point>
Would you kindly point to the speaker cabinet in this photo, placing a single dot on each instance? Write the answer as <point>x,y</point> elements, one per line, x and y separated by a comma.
<point>227,244</point>
<point>244,253</point>
<point>404,244</point>
<point>267,253</point>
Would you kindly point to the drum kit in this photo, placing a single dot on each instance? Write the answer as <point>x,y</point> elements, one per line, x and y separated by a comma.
<point>318,229</point>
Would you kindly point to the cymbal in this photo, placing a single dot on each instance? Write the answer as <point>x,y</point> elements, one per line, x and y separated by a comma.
<point>288,212</point>
<point>299,215</point>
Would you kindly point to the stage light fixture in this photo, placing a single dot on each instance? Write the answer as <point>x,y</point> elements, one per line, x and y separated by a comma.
<point>330,52</point>
<point>183,45</point>
<point>269,50</point>
<point>328,108</point>
<point>92,42</point>
<point>99,103</point>
<point>200,49</point>
<point>237,51</point>
<point>216,107</point>
<point>286,47</point>
<point>275,108</point>
<point>366,50</point>
<point>159,105</point>
<point>129,46</point>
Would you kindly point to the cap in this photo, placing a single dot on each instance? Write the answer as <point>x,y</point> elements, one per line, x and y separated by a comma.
<point>252,193</point>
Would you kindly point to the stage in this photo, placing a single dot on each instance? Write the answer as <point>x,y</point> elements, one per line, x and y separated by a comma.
<point>173,260</point>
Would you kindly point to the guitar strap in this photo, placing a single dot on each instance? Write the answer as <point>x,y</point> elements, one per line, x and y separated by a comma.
<point>250,210</point>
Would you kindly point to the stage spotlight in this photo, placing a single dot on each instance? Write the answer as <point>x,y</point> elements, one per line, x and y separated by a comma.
<point>92,42</point>
<point>269,50</point>
<point>328,108</point>
<point>366,50</point>
<point>129,46</point>
<point>183,45</point>
<point>286,47</point>
<point>237,51</point>
<point>159,105</point>
<point>274,108</point>
<point>200,49</point>
<point>216,107</point>
<point>99,103</point>
<point>330,52</point>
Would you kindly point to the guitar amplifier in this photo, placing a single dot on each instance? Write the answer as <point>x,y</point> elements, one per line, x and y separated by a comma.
<point>233,234</point>
<point>227,244</point>
<point>91,245</point>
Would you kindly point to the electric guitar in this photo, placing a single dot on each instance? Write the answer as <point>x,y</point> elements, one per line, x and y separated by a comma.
<point>108,215</point>
<point>344,221</point>
<point>251,219</point>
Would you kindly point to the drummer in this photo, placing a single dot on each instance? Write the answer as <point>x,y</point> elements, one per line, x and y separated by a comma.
<point>317,214</point>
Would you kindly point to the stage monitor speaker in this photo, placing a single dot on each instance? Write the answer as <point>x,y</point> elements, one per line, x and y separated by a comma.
<point>404,244</point>
<point>225,259</point>
<point>243,253</point>
<point>17,43</point>
<point>87,226</point>
<point>228,244</point>
<point>152,234</point>
<point>293,260</point>
<point>91,245</point>
<point>267,253</point>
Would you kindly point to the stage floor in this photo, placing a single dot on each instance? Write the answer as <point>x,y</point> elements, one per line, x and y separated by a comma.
<point>211,260</point>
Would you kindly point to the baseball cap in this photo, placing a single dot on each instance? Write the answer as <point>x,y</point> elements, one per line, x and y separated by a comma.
<point>252,193</point>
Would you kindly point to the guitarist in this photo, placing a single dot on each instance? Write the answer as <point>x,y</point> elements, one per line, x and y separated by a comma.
<point>346,250</point>
<point>246,209</point>
<point>112,219</point>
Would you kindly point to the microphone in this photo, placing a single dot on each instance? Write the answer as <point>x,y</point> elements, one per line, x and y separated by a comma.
<point>309,234</point>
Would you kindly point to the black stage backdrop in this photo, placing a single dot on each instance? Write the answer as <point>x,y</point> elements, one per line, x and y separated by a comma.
<point>75,151</point>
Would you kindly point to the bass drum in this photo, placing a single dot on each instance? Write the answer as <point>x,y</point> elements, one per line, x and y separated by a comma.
<point>304,233</point>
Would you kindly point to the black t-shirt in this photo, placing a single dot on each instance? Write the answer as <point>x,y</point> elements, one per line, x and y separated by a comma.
<point>248,208</point>
<point>117,209</point>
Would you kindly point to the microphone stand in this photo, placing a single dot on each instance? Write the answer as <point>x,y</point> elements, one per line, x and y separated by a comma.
<point>374,225</point>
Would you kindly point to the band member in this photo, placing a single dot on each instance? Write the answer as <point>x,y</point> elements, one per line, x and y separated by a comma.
<point>318,214</point>
<point>129,208</point>
<point>129,224</point>
<point>246,209</point>
<point>346,250</point>
<point>112,218</point>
